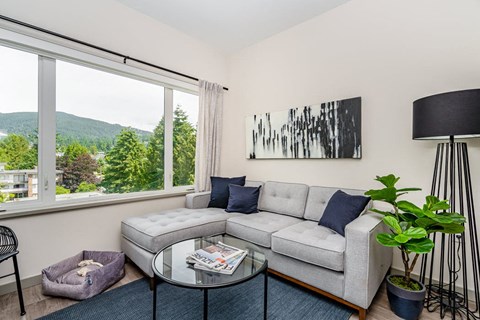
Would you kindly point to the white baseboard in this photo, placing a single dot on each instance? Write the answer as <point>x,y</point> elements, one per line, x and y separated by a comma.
<point>27,282</point>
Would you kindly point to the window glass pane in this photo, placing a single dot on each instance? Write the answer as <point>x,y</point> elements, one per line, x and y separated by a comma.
<point>18,125</point>
<point>184,137</point>
<point>108,129</point>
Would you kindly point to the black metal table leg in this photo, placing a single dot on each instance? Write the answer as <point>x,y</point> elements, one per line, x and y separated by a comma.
<point>154,297</point>
<point>265,294</point>
<point>205,304</point>
<point>19,286</point>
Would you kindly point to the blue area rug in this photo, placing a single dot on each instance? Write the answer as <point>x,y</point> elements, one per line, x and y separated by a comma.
<point>286,301</point>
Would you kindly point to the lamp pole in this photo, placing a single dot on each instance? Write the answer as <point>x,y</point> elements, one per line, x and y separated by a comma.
<point>453,114</point>
<point>452,181</point>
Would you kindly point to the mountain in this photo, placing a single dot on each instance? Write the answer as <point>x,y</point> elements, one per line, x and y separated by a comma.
<point>70,128</point>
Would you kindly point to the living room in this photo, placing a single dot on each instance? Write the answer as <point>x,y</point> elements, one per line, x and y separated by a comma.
<point>388,53</point>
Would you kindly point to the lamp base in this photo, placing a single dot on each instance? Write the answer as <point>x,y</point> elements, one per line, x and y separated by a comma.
<point>448,302</point>
<point>456,265</point>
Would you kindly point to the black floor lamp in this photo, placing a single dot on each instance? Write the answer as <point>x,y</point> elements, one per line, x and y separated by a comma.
<point>455,260</point>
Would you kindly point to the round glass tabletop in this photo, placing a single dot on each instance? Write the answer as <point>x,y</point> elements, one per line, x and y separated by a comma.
<point>170,264</point>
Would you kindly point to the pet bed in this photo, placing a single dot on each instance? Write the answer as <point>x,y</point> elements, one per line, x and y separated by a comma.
<point>62,279</point>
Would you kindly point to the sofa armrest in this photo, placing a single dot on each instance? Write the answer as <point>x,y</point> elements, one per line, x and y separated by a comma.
<point>197,200</point>
<point>366,261</point>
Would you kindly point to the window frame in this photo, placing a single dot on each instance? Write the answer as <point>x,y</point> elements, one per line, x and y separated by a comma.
<point>48,52</point>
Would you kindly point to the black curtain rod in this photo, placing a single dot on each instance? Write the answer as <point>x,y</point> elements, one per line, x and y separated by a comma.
<point>125,57</point>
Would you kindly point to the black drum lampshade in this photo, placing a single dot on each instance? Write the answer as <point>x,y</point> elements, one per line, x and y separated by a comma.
<point>447,114</point>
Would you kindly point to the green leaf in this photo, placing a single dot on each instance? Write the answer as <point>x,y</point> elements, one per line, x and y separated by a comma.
<point>387,240</point>
<point>442,205</point>
<point>406,206</point>
<point>424,245</point>
<point>431,200</point>
<point>435,204</point>
<point>415,233</point>
<point>434,228</point>
<point>409,189</point>
<point>385,213</point>
<point>440,218</point>
<point>456,218</point>
<point>451,228</point>
<point>402,238</point>
<point>404,225</point>
<point>393,224</point>
<point>388,181</point>
<point>387,194</point>
<point>408,217</point>
<point>425,222</point>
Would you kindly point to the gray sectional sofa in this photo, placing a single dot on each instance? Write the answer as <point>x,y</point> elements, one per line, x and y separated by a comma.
<point>349,269</point>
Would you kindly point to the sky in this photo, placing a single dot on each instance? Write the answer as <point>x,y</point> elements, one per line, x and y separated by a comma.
<point>87,92</point>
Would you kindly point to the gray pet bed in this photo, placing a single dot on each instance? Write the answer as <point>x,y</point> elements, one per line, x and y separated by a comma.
<point>62,279</point>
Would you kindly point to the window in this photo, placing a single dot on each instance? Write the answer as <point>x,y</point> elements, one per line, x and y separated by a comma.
<point>109,133</point>
<point>185,119</point>
<point>18,124</point>
<point>117,131</point>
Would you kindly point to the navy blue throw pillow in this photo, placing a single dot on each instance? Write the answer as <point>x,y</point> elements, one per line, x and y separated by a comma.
<point>342,208</point>
<point>220,192</point>
<point>243,199</point>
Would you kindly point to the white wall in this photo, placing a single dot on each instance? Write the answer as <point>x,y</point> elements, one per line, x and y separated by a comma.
<point>114,26</point>
<point>46,239</point>
<point>389,53</point>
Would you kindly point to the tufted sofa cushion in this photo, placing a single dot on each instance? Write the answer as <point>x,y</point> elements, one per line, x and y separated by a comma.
<point>252,183</point>
<point>309,242</point>
<point>318,198</point>
<point>284,198</point>
<point>258,227</point>
<point>158,230</point>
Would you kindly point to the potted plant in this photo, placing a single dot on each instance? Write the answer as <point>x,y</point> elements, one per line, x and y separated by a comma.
<point>410,227</point>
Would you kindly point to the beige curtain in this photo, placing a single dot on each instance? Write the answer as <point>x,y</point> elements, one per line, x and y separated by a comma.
<point>209,132</point>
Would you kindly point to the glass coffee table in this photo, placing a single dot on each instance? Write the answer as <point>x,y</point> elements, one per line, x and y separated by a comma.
<point>170,266</point>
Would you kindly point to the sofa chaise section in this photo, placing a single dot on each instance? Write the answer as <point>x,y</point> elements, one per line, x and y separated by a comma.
<point>158,230</point>
<point>144,236</point>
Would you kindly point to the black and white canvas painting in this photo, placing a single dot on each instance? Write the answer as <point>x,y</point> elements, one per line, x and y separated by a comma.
<point>328,130</point>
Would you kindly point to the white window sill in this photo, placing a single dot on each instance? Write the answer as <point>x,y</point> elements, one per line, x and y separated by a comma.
<point>107,200</point>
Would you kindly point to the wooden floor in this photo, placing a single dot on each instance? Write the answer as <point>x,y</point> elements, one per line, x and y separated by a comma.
<point>38,305</point>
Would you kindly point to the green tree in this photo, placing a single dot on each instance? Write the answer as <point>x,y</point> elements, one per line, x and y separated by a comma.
<point>86,187</point>
<point>184,139</point>
<point>155,169</point>
<point>93,149</point>
<point>61,190</point>
<point>5,196</point>
<point>125,164</point>
<point>72,151</point>
<point>81,169</point>
<point>16,151</point>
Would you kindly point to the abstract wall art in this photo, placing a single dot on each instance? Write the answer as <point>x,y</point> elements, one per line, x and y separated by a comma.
<point>329,130</point>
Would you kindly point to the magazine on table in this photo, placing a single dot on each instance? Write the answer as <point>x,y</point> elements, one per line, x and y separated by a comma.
<point>228,267</point>
<point>217,257</point>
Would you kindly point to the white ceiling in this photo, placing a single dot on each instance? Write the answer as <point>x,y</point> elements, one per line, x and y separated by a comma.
<point>231,25</point>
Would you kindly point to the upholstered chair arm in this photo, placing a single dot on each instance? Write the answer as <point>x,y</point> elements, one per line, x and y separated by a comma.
<point>197,200</point>
<point>366,261</point>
